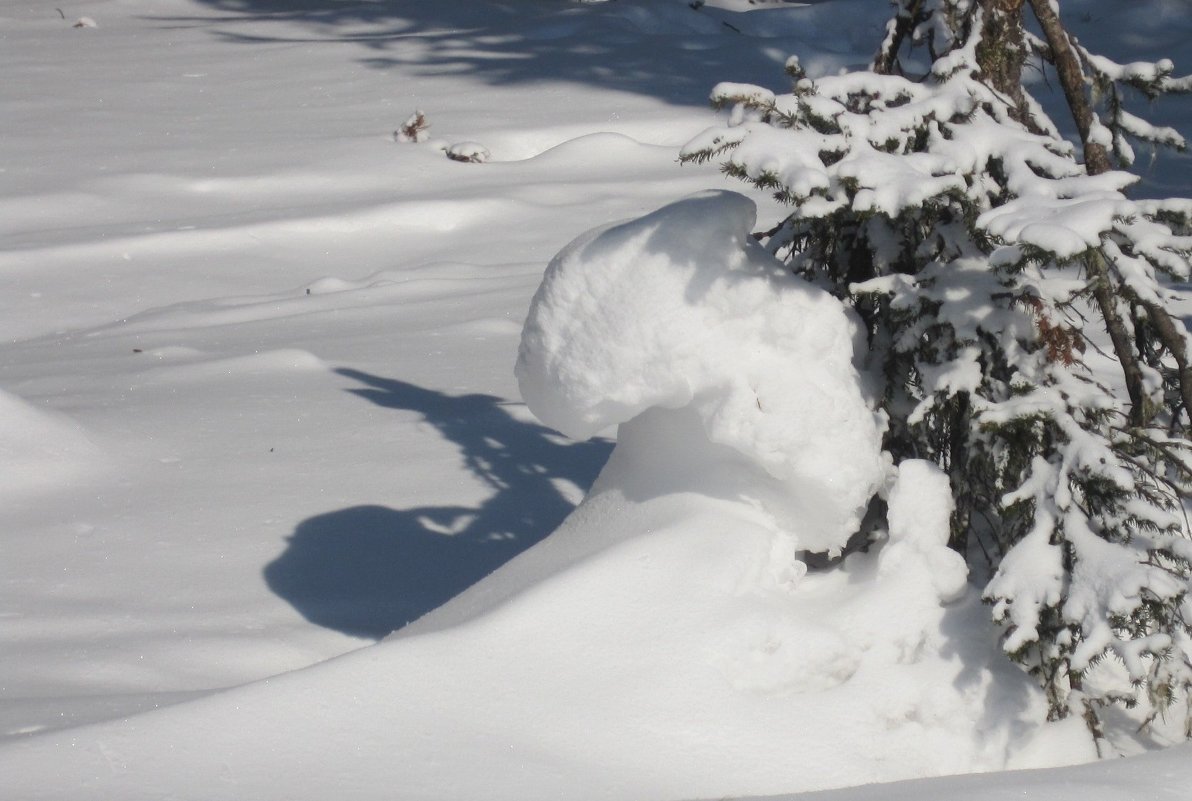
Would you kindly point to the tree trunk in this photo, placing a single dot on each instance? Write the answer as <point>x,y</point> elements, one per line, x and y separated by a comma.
<point>1000,54</point>
<point>1096,161</point>
<point>1071,75</point>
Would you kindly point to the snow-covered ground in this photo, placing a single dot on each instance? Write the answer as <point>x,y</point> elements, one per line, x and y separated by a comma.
<point>258,410</point>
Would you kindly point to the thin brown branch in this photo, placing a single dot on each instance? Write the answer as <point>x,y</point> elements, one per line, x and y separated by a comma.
<point>1123,348</point>
<point>1175,342</point>
<point>1067,66</point>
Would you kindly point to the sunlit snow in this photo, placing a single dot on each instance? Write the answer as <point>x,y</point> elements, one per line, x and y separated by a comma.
<point>275,522</point>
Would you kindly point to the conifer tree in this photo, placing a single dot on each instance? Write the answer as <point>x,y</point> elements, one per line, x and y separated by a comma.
<point>1014,300</point>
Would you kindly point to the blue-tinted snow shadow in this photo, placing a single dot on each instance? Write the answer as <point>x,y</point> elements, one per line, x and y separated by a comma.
<point>673,50</point>
<point>369,570</point>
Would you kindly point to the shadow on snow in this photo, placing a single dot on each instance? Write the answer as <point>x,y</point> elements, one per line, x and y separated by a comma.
<point>668,50</point>
<point>369,570</point>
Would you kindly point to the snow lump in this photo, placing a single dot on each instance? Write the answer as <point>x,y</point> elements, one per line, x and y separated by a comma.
<point>682,309</point>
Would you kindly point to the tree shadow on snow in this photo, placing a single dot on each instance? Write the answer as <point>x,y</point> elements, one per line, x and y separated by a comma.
<point>369,570</point>
<point>668,50</point>
<point>971,637</point>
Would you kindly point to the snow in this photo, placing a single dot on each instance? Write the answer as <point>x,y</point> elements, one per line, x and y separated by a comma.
<point>473,152</point>
<point>1067,227</point>
<point>682,308</point>
<point>1152,776</point>
<point>258,410</point>
<point>920,504</point>
<point>40,450</point>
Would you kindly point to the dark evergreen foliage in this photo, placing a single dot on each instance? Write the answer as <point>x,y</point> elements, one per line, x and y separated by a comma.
<point>1017,317</point>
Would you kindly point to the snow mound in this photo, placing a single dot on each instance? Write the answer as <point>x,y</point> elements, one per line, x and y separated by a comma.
<point>235,368</point>
<point>919,512</point>
<point>681,308</point>
<point>666,641</point>
<point>661,644</point>
<point>39,449</point>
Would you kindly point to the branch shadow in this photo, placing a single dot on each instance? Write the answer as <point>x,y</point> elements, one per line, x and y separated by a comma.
<point>974,640</point>
<point>670,50</point>
<point>369,570</point>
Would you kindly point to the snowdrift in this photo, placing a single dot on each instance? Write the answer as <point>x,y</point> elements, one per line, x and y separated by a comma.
<point>41,450</point>
<point>666,641</point>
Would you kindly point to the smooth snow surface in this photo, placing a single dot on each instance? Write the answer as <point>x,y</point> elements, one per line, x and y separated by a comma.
<point>258,412</point>
<point>1154,777</point>
<point>40,450</point>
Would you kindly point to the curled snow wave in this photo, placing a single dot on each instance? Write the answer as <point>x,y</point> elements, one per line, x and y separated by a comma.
<point>682,308</point>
